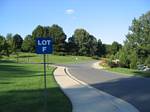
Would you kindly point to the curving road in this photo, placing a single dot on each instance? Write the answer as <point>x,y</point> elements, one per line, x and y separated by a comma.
<point>135,90</point>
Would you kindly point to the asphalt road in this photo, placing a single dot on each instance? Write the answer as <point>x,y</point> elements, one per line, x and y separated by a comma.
<point>135,90</point>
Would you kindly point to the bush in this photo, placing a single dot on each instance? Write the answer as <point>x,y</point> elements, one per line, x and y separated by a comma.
<point>0,56</point>
<point>60,53</point>
<point>96,57</point>
<point>147,61</point>
<point>124,60</point>
<point>133,60</point>
<point>112,64</point>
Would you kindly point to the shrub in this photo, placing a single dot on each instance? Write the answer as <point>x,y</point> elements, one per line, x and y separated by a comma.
<point>60,53</point>
<point>147,61</point>
<point>133,60</point>
<point>124,60</point>
<point>112,64</point>
<point>96,57</point>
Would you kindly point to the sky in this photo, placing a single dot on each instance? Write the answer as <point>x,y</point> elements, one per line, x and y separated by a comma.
<point>108,20</point>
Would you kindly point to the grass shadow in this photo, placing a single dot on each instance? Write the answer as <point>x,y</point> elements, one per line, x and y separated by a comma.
<point>26,56</point>
<point>7,61</point>
<point>142,73</point>
<point>33,101</point>
<point>15,70</point>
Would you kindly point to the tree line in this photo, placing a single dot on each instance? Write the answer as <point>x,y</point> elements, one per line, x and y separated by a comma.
<point>80,43</point>
<point>135,51</point>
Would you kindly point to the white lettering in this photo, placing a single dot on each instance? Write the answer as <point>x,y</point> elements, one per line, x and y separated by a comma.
<point>43,49</point>
<point>44,42</point>
<point>39,42</point>
<point>48,42</point>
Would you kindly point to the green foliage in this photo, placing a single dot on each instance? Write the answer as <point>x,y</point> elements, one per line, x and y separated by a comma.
<point>133,60</point>
<point>72,47</point>
<point>55,32</point>
<point>4,46</point>
<point>28,44</point>
<point>107,49</point>
<point>147,61</point>
<point>17,43</point>
<point>85,43</point>
<point>40,31</point>
<point>9,40</point>
<point>115,47</point>
<point>101,50</point>
<point>81,43</point>
<point>124,59</point>
<point>138,38</point>
<point>59,37</point>
<point>2,40</point>
<point>96,57</point>
<point>136,49</point>
<point>111,63</point>
<point>81,37</point>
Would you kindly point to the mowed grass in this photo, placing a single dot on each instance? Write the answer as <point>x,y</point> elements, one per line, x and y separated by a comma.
<point>129,72</point>
<point>38,58</point>
<point>22,86</point>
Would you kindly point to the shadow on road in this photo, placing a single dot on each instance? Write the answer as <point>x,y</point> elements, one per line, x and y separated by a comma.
<point>130,89</point>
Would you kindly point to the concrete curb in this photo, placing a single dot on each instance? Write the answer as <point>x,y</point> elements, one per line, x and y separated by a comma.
<point>85,98</point>
<point>97,66</point>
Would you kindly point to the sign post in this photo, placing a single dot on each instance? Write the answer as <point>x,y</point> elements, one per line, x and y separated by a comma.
<point>44,71</point>
<point>44,46</point>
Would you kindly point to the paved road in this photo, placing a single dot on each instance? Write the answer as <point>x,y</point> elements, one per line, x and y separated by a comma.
<point>134,90</point>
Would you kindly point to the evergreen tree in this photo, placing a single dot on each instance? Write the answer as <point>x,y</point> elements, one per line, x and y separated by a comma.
<point>28,44</point>
<point>138,38</point>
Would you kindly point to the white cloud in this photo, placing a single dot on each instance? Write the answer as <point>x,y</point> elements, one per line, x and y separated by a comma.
<point>69,11</point>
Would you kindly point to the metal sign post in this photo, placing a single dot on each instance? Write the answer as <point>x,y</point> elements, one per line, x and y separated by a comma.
<point>44,60</point>
<point>44,46</point>
<point>45,86</point>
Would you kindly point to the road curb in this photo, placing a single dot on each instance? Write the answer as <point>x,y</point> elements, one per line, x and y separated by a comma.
<point>119,101</point>
<point>97,66</point>
<point>104,101</point>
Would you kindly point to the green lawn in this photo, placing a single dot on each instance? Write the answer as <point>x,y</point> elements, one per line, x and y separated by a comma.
<point>32,57</point>
<point>21,89</point>
<point>130,72</point>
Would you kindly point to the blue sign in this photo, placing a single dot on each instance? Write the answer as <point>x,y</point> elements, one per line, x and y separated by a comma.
<point>44,46</point>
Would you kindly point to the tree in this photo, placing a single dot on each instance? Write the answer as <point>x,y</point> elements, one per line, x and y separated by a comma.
<point>9,40</point>
<point>147,61</point>
<point>115,47</point>
<point>17,42</point>
<point>133,60</point>
<point>2,41</point>
<point>100,48</point>
<point>39,31</point>
<point>124,58</point>
<point>28,44</point>
<point>72,47</point>
<point>138,38</point>
<point>59,37</point>
<point>55,32</point>
<point>86,44</point>
<point>92,45</point>
<point>3,46</point>
<point>107,49</point>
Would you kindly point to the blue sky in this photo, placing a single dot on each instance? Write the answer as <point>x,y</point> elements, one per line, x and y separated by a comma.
<point>108,20</point>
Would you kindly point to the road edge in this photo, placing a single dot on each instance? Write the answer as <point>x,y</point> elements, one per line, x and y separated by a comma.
<point>118,101</point>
